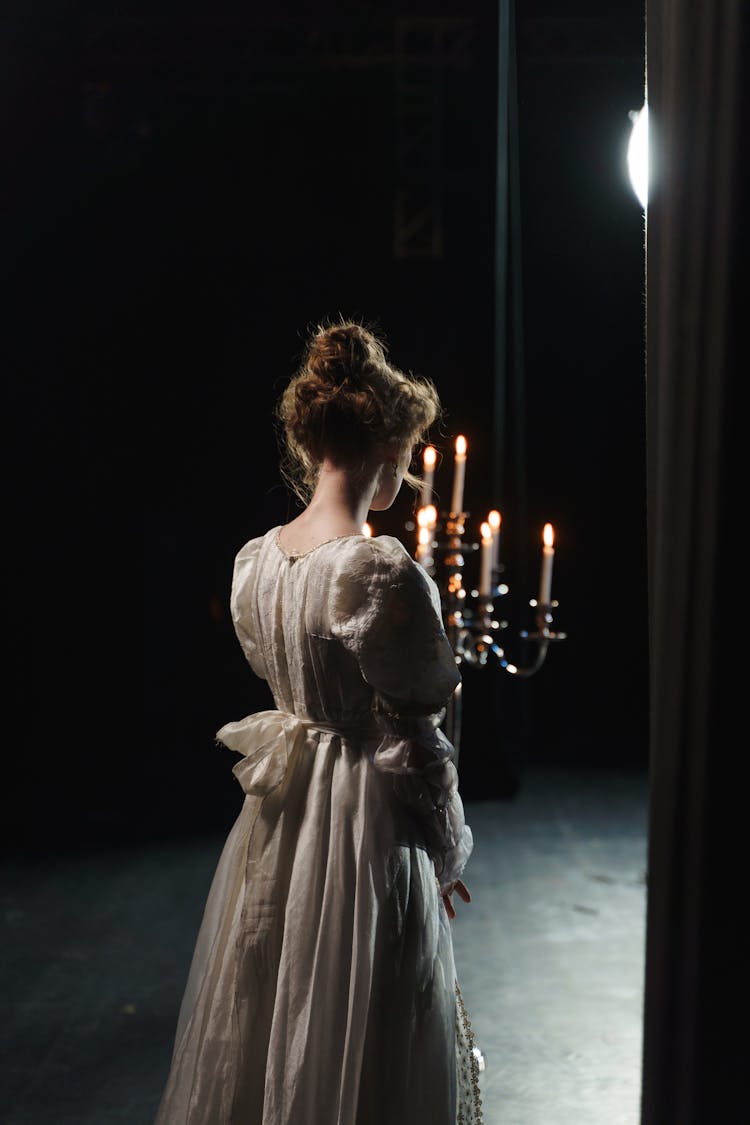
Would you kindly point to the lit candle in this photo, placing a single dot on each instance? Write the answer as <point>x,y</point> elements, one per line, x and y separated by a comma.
<point>422,518</point>
<point>424,544</point>
<point>459,475</point>
<point>367,530</point>
<point>548,554</point>
<point>485,578</point>
<point>494,519</point>
<point>429,457</point>
<point>426,518</point>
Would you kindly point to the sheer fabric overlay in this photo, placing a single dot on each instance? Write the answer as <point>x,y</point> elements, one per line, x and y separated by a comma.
<point>322,988</point>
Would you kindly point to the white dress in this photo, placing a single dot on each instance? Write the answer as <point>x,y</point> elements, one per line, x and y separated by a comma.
<point>322,989</point>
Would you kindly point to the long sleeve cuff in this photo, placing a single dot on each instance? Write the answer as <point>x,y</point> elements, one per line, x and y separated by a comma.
<point>420,756</point>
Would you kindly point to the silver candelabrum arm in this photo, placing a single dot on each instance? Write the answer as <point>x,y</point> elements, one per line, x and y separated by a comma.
<point>472,622</point>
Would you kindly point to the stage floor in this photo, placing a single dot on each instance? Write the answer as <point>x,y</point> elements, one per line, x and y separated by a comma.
<point>550,957</point>
<point>550,953</point>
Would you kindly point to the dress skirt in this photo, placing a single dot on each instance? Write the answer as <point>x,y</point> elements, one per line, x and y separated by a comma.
<point>322,985</point>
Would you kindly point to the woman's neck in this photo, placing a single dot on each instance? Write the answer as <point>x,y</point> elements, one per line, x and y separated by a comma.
<point>341,500</point>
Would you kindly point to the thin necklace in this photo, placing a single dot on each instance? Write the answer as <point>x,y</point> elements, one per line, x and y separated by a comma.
<point>309,551</point>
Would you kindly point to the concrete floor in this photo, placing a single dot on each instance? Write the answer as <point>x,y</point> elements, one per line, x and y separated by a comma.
<point>550,956</point>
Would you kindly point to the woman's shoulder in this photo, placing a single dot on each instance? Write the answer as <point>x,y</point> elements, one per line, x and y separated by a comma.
<point>251,547</point>
<point>378,553</point>
<point>379,567</point>
<point>248,558</point>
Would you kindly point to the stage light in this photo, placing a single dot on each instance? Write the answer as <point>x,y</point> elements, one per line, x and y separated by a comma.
<point>638,153</point>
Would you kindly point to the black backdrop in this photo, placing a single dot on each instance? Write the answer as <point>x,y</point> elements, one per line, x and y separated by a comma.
<point>188,190</point>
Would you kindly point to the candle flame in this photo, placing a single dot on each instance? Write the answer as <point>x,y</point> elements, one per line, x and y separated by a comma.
<point>424,536</point>
<point>430,457</point>
<point>461,445</point>
<point>494,519</point>
<point>486,533</point>
<point>427,516</point>
<point>367,530</point>
<point>548,535</point>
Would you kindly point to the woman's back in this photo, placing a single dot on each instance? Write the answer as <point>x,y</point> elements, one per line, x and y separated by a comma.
<point>322,986</point>
<point>322,989</point>
<point>329,627</point>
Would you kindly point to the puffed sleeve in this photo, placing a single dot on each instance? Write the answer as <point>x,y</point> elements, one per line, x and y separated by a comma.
<point>243,605</point>
<point>386,611</point>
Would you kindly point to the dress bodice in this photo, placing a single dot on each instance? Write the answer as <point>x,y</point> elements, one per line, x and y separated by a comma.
<point>330,627</point>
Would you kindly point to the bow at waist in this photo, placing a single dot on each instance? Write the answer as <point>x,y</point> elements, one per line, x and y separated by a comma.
<point>266,740</point>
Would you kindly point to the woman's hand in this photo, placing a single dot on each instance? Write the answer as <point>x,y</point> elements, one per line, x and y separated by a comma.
<point>462,890</point>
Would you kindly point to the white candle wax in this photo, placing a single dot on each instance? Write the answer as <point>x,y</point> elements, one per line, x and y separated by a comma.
<point>545,582</point>
<point>428,479</point>
<point>424,524</point>
<point>459,476</point>
<point>485,577</point>
<point>423,546</point>
<point>494,520</point>
<point>548,554</point>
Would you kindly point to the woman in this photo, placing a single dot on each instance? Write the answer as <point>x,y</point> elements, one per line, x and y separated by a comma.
<point>322,989</point>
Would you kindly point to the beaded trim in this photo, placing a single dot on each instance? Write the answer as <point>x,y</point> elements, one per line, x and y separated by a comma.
<point>477,1117</point>
<point>309,551</point>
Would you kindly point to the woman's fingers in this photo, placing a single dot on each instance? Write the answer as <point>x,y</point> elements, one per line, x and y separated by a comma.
<point>463,890</point>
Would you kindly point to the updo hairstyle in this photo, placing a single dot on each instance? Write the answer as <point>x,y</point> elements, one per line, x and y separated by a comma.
<point>344,400</point>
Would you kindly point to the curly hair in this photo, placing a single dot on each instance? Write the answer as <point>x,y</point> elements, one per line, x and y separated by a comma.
<point>344,400</point>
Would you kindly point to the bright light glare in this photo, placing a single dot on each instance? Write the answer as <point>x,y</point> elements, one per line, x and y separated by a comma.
<point>427,517</point>
<point>638,154</point>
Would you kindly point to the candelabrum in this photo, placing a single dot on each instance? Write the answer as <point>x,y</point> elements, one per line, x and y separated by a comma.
<point>473,618</point>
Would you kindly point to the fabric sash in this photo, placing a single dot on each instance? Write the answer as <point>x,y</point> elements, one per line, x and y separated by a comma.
<point>267,739</point>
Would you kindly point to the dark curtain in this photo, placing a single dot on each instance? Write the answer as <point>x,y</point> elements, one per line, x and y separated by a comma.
<point>696,967</point>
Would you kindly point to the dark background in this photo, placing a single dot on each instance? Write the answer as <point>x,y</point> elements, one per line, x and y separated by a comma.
<point>188,189</point>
